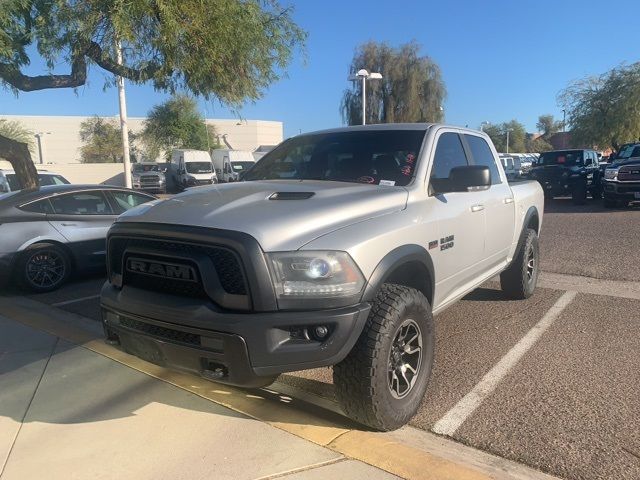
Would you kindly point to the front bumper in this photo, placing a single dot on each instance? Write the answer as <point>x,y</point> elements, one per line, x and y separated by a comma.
<point>235,348</point>
<point>622,190</point>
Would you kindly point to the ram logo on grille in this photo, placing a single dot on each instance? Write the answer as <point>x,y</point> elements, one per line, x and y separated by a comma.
<point>161,269</point>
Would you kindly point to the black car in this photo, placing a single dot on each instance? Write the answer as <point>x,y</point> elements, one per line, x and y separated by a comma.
<point>47,233</point>
<point>621,182</point>
<point>569,172</point>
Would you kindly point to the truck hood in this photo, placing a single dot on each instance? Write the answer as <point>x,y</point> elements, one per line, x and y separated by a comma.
<point>304,211</point>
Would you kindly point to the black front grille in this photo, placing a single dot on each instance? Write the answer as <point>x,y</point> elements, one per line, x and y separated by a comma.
<point>171,286</point>
<point>629,173</point>
<point>226,263</point>
<point>161,332</point>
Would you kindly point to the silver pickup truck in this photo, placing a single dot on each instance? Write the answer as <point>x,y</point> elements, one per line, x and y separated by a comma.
<point>336,249</point>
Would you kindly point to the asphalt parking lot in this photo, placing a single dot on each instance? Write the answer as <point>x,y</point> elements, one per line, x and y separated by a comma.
<point>564,400</point>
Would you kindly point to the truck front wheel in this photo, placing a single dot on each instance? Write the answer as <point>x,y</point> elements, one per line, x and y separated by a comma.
<point>383,379</point>
<point>579,194</point>
<point>520,279</point>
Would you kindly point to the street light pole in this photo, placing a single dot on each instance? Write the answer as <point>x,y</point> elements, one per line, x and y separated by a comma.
<point>124,128</point>
<point>508,130</point>
<point>39,138</point>
<point>564,120</point>
<point>364,75</point>
<point>482,124</point>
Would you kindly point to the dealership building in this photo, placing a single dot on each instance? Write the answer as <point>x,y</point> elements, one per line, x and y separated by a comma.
<point>59,136</point>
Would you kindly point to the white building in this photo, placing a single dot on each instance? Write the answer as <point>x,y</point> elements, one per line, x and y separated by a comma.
<point>60,135</point>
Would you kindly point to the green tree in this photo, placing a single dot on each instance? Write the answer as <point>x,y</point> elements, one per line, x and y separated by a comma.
<point>411,89</point>
<point>517,136</point>
<point>102,141</point>
<point>548,126</point>
<point>538,145</point>
<point>230,50</point>
<point>177,123</point>
<point>604,110</point>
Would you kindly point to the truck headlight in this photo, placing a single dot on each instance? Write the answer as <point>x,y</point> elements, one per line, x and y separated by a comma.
<point>611,174</point>
<point>315,275</point>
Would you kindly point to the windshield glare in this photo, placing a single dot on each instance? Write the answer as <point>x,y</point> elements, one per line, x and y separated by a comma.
<point>375,157</point>
<point>628,152</point>
<point>198,167</point>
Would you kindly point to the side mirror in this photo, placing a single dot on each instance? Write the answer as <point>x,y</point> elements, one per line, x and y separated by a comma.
<point>469,177</point>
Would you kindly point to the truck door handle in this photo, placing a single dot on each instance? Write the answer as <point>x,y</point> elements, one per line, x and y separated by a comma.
<point>508,200</point>
<point>69,225</point>
<point>477,208</point>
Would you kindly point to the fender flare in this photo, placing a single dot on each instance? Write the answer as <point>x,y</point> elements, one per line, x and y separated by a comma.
<point>531,214</point>
<point>392,261</point>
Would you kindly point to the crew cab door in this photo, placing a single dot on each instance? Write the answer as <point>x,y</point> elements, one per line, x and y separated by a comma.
<point>459,247</point>
<point>498,203</point>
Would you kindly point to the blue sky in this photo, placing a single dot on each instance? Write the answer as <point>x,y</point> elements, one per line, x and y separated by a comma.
<point>500,60</point>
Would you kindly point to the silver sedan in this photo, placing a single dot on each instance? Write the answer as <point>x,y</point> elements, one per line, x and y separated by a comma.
<point>50,232</point>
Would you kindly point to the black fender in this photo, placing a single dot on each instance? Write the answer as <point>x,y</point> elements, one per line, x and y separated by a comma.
<point>531,217</point>
<point>395,259</point>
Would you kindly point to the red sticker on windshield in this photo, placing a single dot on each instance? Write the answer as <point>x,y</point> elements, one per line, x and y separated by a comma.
<point>560,159</point>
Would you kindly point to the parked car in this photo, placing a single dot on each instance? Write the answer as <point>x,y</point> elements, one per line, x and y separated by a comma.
<point>337,249</point>
<point>9,180</point>
<point>569,172</point>
<point>191,168</point>
<point>148,176</point>
<point>50,232</point>
<point>511,165</point>
<point>621,182</point>
<point>229,164</point>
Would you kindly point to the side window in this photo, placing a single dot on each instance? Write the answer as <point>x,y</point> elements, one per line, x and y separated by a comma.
<point>123,201</point>
<point>482,156</point>
<point>81,203</point>
<point>41,206</point>
<point>449,154</point>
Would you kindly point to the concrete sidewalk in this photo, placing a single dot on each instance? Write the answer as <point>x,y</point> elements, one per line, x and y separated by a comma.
<point>67,412</point>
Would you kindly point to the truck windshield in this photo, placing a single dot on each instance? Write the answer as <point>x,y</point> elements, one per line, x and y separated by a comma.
<point>141,167</point>
<point>376,157</point>
<point>198,167</point>
<point>628,151</point>
<point>560,158</point>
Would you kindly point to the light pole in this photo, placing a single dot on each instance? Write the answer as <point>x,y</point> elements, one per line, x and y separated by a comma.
<point>508,130</point>
<point>482,124</point>
<point>564,118</point>
<point>124,128</point>
<point>39,136</point>
<point>364,75</point>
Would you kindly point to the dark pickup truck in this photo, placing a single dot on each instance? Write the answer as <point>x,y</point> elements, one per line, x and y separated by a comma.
<point>569,172</point>
<point>621,182</point>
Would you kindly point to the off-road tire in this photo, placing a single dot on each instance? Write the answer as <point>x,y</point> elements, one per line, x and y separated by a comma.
<point>362,379</point>
<point>519,281</point>
<point>596,193</point>
<point>579,194</point>
<point>59,263</point>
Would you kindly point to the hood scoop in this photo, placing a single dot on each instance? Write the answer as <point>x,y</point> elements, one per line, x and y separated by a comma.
<point>291,195</point>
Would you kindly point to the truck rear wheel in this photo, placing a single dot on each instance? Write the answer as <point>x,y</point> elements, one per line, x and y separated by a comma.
<point>383,379</point>
<point>520,279</point>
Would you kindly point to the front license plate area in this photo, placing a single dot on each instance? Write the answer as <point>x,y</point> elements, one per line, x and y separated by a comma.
<point>143,348</point>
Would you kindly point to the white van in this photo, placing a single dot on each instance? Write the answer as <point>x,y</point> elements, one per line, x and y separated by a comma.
<point>190,168</point>
<point>230,164</point>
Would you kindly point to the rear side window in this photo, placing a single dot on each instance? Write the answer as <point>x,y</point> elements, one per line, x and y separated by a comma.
<point>482,156</point>
<point>41,206</point>
<point>124,201</point>
<point>81,203</point>
<point>449,154</point>
<point>52,180</point>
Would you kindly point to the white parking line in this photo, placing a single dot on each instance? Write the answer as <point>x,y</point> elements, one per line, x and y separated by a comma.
<point>75,300</point>
<point>455,417</point>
